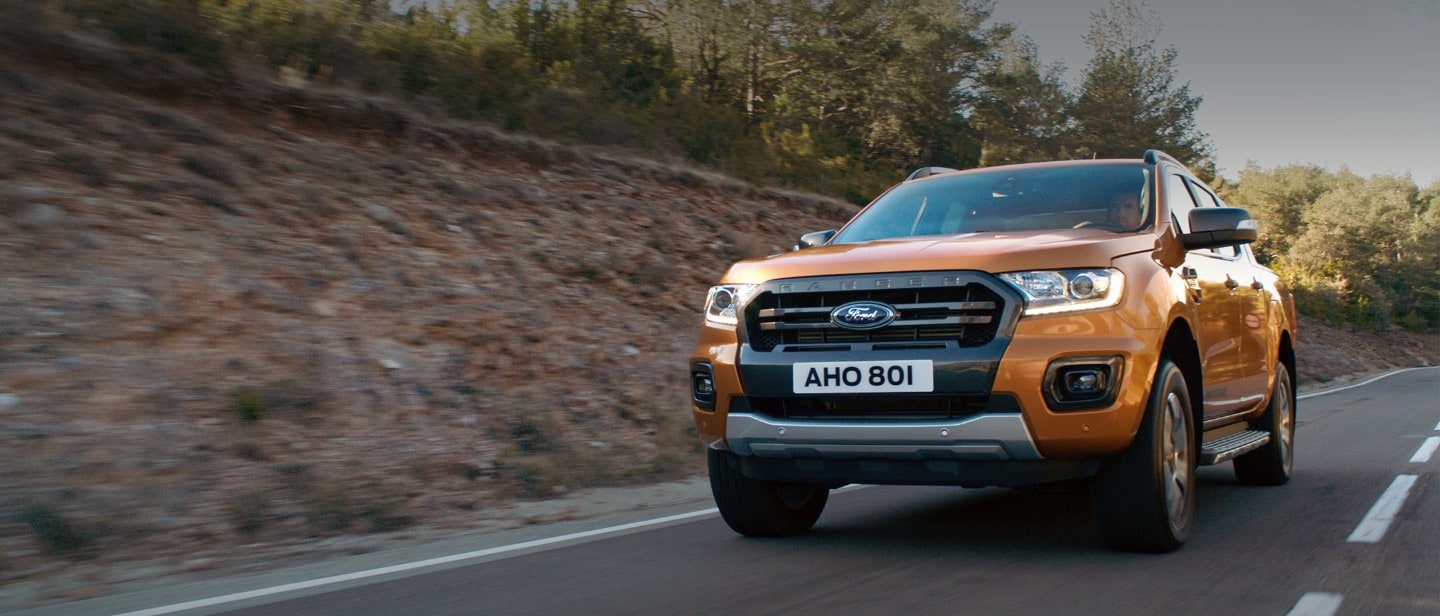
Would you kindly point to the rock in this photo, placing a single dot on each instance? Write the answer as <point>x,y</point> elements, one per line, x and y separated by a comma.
<point>15,197</point>
<point>38,216</point>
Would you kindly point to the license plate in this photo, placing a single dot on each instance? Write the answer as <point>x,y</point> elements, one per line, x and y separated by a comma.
<point>864,377</point>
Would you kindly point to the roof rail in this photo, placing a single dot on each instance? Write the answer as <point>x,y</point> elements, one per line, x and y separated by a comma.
<point>928,171</point>
<point>1155,156</point>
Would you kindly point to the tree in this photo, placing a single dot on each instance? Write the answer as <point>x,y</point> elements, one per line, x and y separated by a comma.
<point>616,52</point>
<point>1278,199</point>
<point>1128,100</point>
<point>1022,111</point>
<point>706,42</point>
<point>894,76</point>
<point>1358,250</point>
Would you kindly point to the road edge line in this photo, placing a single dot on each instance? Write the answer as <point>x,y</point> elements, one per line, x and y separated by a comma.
<point>1317,394</point>
<point>411,566</point>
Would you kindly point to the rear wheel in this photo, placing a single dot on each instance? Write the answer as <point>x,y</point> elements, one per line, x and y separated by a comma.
<point>1270,465</point>
<point>757,508</point>
<point>1145,497</point>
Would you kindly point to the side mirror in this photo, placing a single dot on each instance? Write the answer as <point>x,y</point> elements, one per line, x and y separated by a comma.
<point>818,238</point>
<point>1213,227</point>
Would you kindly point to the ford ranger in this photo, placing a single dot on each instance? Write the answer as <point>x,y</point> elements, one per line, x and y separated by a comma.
<point>1098,320</point>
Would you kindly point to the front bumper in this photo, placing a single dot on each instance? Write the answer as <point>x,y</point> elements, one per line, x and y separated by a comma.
<point>981,437</point>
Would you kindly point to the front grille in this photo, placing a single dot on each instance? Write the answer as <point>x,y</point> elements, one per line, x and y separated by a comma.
<point>968,315</point>
<point>860,408</point>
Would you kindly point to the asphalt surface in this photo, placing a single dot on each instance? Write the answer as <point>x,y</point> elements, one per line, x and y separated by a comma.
<point>1278,550</point>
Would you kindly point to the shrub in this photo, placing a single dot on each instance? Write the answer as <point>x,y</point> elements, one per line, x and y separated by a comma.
<point>213,164</point>
<point>533,432</point>
<point>248,405</point>
<point>173,26</point>
<point>59,535</point>
<point>335,506</point>
<point>251,512</point>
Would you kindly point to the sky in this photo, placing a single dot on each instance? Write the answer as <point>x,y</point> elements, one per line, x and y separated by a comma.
<point>1340,84</point>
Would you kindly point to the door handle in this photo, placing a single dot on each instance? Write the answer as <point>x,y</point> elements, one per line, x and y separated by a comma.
<point>1191,276</point>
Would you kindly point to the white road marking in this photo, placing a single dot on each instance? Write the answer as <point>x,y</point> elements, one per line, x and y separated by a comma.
<point>360,575</point>
<point>1426,450</point>
<point>1316,394</point>
<point>1437,427</point>
<point>1372,528</point>
<point>1317,604</point>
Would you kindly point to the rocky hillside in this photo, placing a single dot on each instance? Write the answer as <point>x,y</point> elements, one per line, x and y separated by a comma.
<point>235,313</point>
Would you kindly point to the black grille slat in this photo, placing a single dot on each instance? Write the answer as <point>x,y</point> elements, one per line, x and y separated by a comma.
<point>949,306</point>
<point>775,313</point>
<point>968,315</point>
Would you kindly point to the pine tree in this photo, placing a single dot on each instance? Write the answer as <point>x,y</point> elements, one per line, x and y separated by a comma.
<point>1128,101</point>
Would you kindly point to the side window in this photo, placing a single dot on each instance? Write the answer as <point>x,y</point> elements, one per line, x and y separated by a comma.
<point>1208,199</point>
<point>1177,195</point>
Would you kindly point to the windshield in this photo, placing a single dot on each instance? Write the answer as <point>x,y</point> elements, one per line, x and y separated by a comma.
<point>1110,197</point>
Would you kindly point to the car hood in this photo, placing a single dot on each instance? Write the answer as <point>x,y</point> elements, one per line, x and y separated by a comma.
<point>986,252</point>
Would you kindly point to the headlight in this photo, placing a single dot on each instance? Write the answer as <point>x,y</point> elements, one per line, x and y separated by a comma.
<point>723,301</point>
<point>1049,292</point>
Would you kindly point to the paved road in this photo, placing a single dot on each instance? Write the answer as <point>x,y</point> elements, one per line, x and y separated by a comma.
<point>1326,543</point>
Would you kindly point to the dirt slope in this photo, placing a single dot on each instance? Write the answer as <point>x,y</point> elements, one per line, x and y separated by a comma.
<point>240,313</point>
<point>237,317</point>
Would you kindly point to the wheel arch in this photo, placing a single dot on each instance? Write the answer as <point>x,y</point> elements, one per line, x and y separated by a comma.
<point>1286,357</point>
<point>1182,350</point>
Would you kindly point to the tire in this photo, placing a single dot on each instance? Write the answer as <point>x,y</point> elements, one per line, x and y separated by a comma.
<point>1144,497</point>
<point>1270,465</point>
<point>757,508</point>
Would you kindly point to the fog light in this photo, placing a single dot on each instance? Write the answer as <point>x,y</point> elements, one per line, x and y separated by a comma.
<point>702,386</point>
<point>1082,383</point>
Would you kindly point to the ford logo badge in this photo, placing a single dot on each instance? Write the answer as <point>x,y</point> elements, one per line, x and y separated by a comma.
<point>863,315</point>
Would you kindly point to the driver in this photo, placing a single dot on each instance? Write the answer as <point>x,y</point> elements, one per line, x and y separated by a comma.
<point>1124,212</point>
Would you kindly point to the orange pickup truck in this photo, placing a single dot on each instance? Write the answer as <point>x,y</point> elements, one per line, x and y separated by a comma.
<point>1097,320</point>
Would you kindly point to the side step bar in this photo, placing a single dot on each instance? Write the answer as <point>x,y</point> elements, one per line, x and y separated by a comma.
<point>1226,448</point>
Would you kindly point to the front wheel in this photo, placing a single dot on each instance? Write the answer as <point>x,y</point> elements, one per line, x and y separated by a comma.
<point>757,508</point>
<point>1145,497</point>
<point>1270,465</point>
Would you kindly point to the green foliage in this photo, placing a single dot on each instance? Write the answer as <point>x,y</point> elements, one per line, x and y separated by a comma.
<point>331,503</point>
<point>534,432</point>
<point>1022,114</point>
<point>1279,198</point>
<point>841,97</point>
<point>1364,251</point>
<point>58,534</point>
<point>249,406</point>
<point>1129,101</point>
<point>175,26</point>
